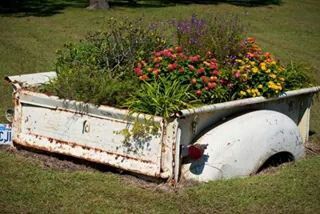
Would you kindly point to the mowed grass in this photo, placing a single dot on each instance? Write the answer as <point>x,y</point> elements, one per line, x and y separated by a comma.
<point>28,187</point>
<point>28,43</point>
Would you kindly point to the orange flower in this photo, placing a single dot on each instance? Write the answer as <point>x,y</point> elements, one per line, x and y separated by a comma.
<point>251,39</point>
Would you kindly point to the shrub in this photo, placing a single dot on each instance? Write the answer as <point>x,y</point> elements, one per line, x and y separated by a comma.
<point>92,69</point>
<point>84,84</point>
<point>296,76</point>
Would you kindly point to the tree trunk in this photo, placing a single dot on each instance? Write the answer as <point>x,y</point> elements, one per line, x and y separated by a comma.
<point>98,4</point>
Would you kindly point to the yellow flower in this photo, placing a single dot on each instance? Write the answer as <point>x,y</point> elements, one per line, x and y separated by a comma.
<point>271,84</point>
<point>245,76</point>
<point>255,70</point>
<point>260,86</point>
<point>242,93</point>
<point>252,63</point>
<point>240,61</point>
<point>263,66</point>
<point>273,76</point>
<point>281,79</point>
<point>268,71</point>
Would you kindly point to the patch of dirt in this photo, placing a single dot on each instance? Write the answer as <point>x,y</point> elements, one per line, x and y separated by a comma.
<point>49,161</point>
<point>273,169</point>
<point>312,148</point>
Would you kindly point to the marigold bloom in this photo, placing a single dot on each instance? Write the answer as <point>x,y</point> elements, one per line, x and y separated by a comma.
<point>255,70</point>
<point>263,66</point>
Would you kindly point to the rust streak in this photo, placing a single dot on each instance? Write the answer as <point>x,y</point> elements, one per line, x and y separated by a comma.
<point>72,144</point>
<point>27,144</point>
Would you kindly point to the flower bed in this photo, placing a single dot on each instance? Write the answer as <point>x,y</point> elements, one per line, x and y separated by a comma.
<point>134,66</point>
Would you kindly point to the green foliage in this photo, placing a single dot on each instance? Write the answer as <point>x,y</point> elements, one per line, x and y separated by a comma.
<point>160,97</point>
<point>140,132</point>
<point>296,76</point>
<point>92,70</point>
<point>84,84</point>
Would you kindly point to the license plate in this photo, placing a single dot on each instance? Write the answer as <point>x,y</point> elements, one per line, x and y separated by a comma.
<point>5,134</point>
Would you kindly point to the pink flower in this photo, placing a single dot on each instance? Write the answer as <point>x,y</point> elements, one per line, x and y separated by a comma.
<point>237,74</point>
<point>191,67</point>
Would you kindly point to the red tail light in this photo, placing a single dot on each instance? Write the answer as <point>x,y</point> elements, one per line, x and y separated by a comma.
<point>195,151</point>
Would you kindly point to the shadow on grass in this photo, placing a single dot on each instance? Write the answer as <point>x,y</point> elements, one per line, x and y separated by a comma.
<point>165,3</point>
<point>23,8</point>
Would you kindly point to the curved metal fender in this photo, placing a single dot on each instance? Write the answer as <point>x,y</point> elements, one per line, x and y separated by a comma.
<point>239,147</point>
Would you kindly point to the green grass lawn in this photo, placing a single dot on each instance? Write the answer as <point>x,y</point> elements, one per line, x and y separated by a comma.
<point>28,42</point>
<point>28,187</point>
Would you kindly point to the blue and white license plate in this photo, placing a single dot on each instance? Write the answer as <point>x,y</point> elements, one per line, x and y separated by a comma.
<point>5,134</point>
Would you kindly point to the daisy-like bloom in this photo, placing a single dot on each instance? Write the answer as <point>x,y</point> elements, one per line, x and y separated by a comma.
<point>255,70</point>
<point>243,93</point>
<point>263,66</point>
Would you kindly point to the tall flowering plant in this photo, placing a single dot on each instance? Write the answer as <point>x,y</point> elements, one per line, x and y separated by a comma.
<point>192,34</point>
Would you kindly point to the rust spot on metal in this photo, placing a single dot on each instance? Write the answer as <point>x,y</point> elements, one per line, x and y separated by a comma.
<point>27,144</point>
<point>73,145</point>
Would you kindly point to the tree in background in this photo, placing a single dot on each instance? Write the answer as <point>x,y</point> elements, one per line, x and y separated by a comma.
<point>98,4</point>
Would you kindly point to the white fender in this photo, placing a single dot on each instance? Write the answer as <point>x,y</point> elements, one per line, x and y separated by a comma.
<point>239,147</point>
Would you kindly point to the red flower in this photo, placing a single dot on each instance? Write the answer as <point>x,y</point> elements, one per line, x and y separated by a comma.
<point>267,54</point>
<point>205,79</point>
<point>156,72</point>
<point>213,65</point>
<point>194,58</point>
<point>199,93</point>
<point>157,54</point>
<point>216,72</point>
<point>200,70</point>
<point>212,85</point>
<point>172,67</point>
<point>138,71</point>
<point>179,49</point>
<point>167,53</point>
